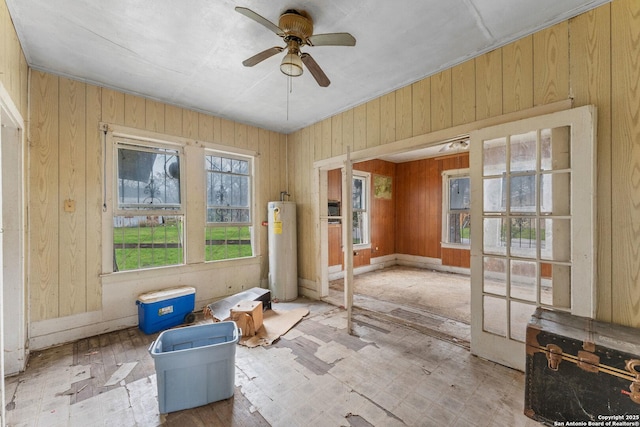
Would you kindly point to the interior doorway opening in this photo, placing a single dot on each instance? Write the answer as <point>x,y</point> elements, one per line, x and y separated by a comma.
<point>414,267</point>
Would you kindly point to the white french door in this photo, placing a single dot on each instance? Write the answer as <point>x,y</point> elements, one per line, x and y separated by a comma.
<point>533,225</point>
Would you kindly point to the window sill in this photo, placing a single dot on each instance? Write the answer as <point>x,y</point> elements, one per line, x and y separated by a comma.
<point>455,246</point>
<point>362,246</point>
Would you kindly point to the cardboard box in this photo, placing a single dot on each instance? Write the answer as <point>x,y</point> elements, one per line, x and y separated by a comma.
<point>248,316</point>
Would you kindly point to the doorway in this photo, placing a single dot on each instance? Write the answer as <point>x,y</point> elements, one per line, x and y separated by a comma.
<point>12,224</point>
<point>414,267</point>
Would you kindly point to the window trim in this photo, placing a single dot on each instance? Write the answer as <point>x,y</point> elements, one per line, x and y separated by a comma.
<point>192,153</point>
<point>446,176</point>
<point>366,177</point>
<point>253,167</point>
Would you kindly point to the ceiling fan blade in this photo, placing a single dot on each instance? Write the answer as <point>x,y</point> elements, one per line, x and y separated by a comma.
<point>259,57</point>
<point>332,39</point>
<point>315,70</point>
<point>260,20</point>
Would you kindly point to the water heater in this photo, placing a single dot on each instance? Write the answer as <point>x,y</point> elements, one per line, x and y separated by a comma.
<point>283,253</point>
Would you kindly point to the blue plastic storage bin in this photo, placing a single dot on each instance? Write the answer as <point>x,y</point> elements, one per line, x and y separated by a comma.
<point>195,365</point>
<point>166,308</point>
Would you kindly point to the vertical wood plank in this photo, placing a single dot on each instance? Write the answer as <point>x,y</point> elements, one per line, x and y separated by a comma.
<point>112,106</point>
<point>373,122</point>
<point>217,130</point>
<point>317,140</point>
<point>551,64</point>
<point>173,120</point>
<point>441,100</point>
<point>241,136</point>
<point>591,83</point>
<point>463,80</point>
<point>134,111</point>
<point>360,127</point>
<point>489,85</point>
<point>24,87</point>
<point>517,75</point>
<point>72,189</point>
<point>205,127</point>
<point>253,139</point>
<point>5,68</point>
<point>43,203</point>
<point>264,196</point>
<point>190,126</point>
<point>227,132</point>
<point>276,164</point>
<point>347,131</point>
<point>336,135</point>
<point>325,145</point>
<point>625,198</point>
<point>421,106</point>
<point>404,125</point>
<point>388,118</point>
<point>94,194</point>
<point>154,116</point>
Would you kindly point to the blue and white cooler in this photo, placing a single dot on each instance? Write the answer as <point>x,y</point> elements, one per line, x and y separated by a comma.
<point>166,308</point>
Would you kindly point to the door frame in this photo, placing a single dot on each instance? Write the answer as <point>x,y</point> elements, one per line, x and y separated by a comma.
<point>13,341</point>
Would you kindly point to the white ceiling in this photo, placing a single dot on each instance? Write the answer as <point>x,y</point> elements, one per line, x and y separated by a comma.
<point>190,52</point>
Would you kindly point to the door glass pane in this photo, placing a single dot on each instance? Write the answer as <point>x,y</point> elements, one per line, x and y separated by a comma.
<point>495,315</point>
<point>523,280</point>
<point>493,198</point>
<point>495,276</point>
<point>494,154</point>
<point>555,193</point>
<point>523,237</point>
<point>523,152</point>
<point>520,315</point>
<point>493,237</point>
<point>523,193</point>
<point>556,286</point>
<point>555,235</point>
<point>554,149</point>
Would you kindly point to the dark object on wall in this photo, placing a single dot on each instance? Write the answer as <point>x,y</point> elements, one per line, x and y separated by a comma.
<point>579,369</point>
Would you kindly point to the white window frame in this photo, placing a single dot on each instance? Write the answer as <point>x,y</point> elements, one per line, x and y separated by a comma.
<point>115,136</point>
<point>446,176</point>
<point>365,177</point>
<point>251,196</point>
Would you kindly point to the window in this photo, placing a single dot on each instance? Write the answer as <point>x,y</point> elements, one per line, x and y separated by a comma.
<point>148,221</point>
<point>229,188</point>
<point>360,209</point>
<point>456,207</point>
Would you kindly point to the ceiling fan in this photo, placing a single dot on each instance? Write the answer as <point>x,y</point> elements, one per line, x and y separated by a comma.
<point>296,29</point>
<point>457,145</point>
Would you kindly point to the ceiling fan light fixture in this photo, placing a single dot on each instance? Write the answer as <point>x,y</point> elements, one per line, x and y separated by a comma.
<point>291,64</point>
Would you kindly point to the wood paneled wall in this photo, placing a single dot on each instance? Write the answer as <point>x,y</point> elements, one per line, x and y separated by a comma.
<point>382,217</point>
<point>13,64</point>
<point>66,162</point>
<point>419,207</point>
<point>592,59</point>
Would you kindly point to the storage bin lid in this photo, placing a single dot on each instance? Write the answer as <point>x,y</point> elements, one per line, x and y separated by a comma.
<point>164,294</point>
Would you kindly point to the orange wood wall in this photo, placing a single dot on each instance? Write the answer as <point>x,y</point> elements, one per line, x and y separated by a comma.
<point>419,209</point>
<point>382,215</point>
<point>411,221</point>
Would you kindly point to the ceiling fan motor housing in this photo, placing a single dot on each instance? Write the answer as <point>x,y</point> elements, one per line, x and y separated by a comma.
<point>296,24</point>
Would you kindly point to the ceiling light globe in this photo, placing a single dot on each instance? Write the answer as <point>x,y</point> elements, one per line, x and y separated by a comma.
<point>291,65</point>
